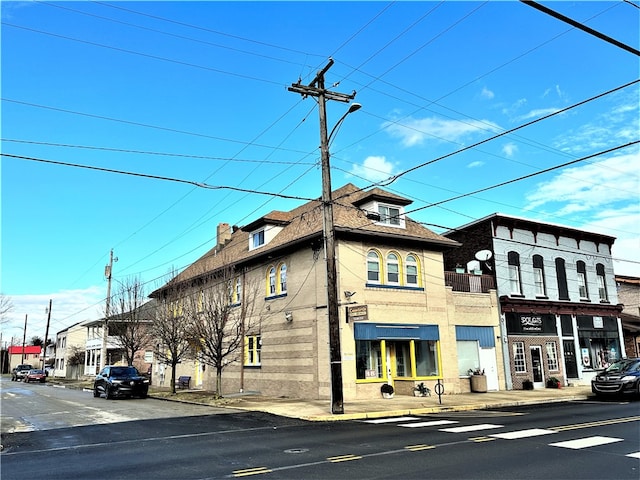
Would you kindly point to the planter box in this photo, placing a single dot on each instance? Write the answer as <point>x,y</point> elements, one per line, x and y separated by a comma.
<point>478,383</point>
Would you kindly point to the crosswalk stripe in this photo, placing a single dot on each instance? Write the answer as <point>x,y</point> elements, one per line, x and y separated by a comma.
<point>533,432</point>
<point>390,420</point>
<point>634,455</point>
<point>586,442</point>
<point>471,428</point>
<point>433,423</point>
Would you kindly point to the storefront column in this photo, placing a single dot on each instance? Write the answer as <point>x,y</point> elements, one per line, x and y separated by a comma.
<point>561,348</point>
<point>576,345</point>
<point>623,350</point>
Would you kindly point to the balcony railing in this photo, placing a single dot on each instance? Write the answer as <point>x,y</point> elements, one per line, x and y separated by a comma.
<point>467,282</point>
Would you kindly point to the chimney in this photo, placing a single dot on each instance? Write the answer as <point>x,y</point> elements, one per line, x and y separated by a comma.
<point>224,235</point>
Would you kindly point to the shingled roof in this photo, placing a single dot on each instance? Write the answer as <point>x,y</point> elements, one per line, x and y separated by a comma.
<point>304,224</point>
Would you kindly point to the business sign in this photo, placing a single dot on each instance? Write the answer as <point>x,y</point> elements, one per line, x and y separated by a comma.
<point>357,313</point>
<point>531,323</point>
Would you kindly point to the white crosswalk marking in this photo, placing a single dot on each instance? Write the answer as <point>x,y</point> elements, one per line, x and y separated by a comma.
<point>533,432</point>
<point>471,428</point>
<point>586,442</point>
<point>634,455</point>
<point>433,423</point>
<point>391,420</point>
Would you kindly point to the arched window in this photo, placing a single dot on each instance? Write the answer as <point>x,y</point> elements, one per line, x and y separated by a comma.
<point>514,273</point>
<point>411,270</point>
<point>373,267</point>
<point>602,283</point>
<point>238,292</point>
<point>538,276</point>
<point>393,269</point>
<point>282,278</point>
<point>271,286</point>
<point>582,279</point>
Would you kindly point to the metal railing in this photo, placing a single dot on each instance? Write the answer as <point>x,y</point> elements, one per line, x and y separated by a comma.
<point>468,282</point>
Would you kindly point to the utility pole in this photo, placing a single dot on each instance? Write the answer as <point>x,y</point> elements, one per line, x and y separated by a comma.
<point>24,338</point>
<point>316,89</point>
<point>46,334</point>
<point>107,312</point>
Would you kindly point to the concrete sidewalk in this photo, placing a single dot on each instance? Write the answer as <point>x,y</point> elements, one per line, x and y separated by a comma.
<point>400,405</point>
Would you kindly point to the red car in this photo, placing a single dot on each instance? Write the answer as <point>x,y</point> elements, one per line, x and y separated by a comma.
<point>35,376</point>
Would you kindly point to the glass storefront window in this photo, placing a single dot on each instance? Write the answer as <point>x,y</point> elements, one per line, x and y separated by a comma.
<point>368,359</point>
<point>426,358</point>
<point>599,353</point>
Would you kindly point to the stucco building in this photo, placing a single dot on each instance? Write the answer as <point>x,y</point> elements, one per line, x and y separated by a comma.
<point>400,320</point>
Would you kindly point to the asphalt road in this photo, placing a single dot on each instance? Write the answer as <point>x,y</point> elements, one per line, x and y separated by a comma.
<point>576,440</point>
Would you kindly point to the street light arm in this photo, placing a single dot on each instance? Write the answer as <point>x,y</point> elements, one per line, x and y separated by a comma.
<point>352,108</point>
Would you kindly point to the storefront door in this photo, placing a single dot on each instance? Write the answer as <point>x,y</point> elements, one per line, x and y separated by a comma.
<point>570,362</point>
<point>536,366</point>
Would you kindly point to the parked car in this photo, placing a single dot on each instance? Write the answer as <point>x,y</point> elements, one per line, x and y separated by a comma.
<point>621,377</point>
<point>19,372</point>
<point>116,381</point>
<point>35,376</point>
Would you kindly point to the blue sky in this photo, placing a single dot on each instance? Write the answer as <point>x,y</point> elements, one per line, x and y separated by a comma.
<point>198,92</point>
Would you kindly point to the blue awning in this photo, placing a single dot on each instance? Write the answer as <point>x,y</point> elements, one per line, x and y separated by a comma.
<point>484,335</point>
<point>395,331</point>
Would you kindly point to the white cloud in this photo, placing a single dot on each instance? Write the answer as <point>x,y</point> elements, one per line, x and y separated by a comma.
<point>509,149</point>
<point>413,131</point>
<point>486,93</point>
<point>374,169</point>
<point>539,112</point>
<point>68,308</point>
<point>475,164</point>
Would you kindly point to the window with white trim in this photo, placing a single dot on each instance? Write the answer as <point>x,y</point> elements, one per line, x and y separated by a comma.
<point>552,356</point>
<point>389,215</point>
<point>582,279</point>
<point>538,276</point>
<point>411,270</point>
<point>257,239</point>
<point>252,350</point>
<point>373,267</point>
<point>602,284</point>
<point>271,278</point>
<point>282,278</point>
<point>514,273</point>
<point>519,364</point>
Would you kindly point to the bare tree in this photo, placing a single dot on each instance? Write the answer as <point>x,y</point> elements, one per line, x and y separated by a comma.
<point>76,359</point>
<point>6,305</point>
<point>221,310</point>
<point>130,320</point>
<point>171,329</point>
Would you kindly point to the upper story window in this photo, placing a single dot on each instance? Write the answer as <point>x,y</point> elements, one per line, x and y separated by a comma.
<point>389,215</point>
<point>411,270</point>
<point>282,278</point>
<point>252,350</point>
<point>561,275</point>
<point>257,239</point>
<point>238,290</point>
<point>277,280</point>
<point>538,276</point>
<point>514,273</point>
<point>393,269</point>
<point>582,279</point>
<point>602,284</point>
<point>373,267</point>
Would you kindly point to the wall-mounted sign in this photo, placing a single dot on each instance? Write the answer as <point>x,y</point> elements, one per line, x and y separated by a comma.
<point>598,322</point>
<point>357,313</point>
<point>531,323</point>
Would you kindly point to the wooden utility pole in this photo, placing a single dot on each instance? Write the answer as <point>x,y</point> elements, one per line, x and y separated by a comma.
<point>46,334</point>
<point>24,338</point>
<point>105,328</point>
<point>316,89</point>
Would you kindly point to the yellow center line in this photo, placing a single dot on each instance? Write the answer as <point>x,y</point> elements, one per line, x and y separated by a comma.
<point>481,439</point>
<point>416,448</point>
<point>343,458</point>
<point>250,471</point>
<point>599,423</point>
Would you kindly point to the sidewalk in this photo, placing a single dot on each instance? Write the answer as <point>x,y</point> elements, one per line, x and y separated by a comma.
<point>400,405</point>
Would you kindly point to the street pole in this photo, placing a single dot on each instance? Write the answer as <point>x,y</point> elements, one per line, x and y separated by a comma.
<point>105,329</point>
<point>24,338</point>
<point>46,334</point>
<point>316,89</point>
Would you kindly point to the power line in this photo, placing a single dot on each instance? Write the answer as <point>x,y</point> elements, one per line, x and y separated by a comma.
<point>154,177</point>
<point>581,26</point>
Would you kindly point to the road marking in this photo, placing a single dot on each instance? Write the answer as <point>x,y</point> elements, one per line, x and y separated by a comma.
<point>634,455</point>
<point>471,428</point>
<point>481,439</point>
<point>417,448</point>
<point>598,423</point>
<point>343,458</point>
<point>586,442</point>
<point>250,471</point>
<point>433,423</point>
<point>390,420</point>
<point>533,432</point>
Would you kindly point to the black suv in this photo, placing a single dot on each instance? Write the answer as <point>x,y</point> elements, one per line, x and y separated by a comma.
<point>115,381</point>
<point>618,378</point>
<point>20,372</point>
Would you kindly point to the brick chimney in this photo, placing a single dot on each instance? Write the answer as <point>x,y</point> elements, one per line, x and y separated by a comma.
<point>224,235</point>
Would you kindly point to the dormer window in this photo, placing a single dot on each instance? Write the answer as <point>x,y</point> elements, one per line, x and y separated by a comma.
<point>389,215</point>
<point>257,239</point>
